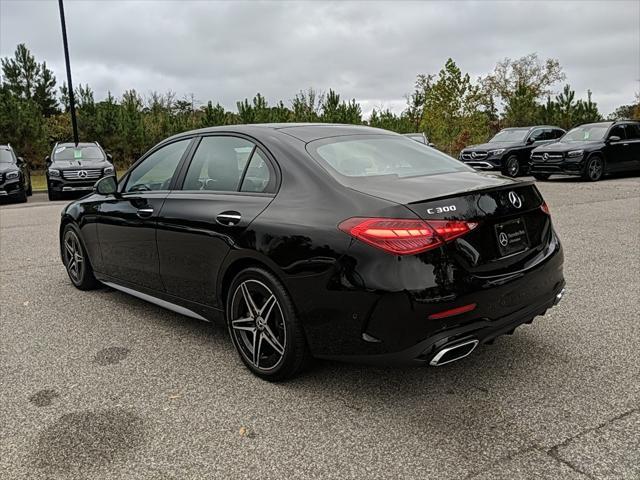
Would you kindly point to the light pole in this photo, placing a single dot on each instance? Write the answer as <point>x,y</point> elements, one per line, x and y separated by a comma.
<point>72,103</point>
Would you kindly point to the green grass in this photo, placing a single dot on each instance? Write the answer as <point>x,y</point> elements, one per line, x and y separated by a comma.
<point>39,181</point>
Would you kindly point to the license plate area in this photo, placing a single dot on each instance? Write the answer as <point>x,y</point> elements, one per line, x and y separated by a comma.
<point>512,237</point>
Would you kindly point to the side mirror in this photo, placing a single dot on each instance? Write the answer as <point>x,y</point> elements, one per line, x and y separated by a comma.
<point>20,161</point>
<point>110,158</point>
<point>106,186</point>
<point>432,145</point>
<point>614,138</point>
<point>530,140</point>
<point>47,159</point>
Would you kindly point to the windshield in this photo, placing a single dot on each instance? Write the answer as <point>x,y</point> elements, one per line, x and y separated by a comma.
<point>6,156</point>
<point>510,136</point>
<point>380,155</point>
<point>586,133</point>
<point>78,153</point>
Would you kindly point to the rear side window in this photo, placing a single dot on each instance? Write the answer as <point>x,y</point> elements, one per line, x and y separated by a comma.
<point>218,164</point>
<point>556,133</point>
<point>257,178</point>
<point>380,155</point>
<point>633,131</point>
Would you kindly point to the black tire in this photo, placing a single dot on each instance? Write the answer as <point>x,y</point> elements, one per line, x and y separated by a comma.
<point>594,169</point>
<point>76,260</point>
<point>22,197</point>
<point>273,347</point>
<point>511,167</point>
<point>30,189</point>
<point>53,195</point>
<point>541,176</point>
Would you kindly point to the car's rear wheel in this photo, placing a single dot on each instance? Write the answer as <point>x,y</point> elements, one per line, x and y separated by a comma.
<point>594,169</point>
<point>264,327</point>
<point>512,166</point>
<point>76,260</point>
<point>541,176</point>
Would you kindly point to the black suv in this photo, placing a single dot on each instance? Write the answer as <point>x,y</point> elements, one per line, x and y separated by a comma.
<point>509,150</point>
<point>76,168</point>
<point>15,178</point>
<point>590,151</point>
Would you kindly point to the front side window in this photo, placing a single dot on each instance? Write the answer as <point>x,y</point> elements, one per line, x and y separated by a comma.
<point>156,171</point>
<point>537,135</point>
<point>379,156</point>
<point>618,131</point>
<point>218,164</point>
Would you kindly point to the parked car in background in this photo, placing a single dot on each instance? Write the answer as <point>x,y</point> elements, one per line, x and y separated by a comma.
<point>15,178</point>
<point>510,149</point>
<point>335,241</point>
<point>590,151</point>
<point>76,168</point>
<point>420,138</point>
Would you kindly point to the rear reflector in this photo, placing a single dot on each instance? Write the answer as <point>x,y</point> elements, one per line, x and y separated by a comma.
<point>545,208</point>
<point>452,312</point>
<point>405,236</point>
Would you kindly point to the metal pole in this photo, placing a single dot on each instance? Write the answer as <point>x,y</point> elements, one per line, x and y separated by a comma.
<point>72,102</point>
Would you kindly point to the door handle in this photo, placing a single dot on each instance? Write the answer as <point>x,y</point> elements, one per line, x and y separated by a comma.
<point>144,212</point>
<point>625,144</point>
<point>229,218</point>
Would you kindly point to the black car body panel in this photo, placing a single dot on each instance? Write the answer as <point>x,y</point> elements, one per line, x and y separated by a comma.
<point>481,157</point>
<point>622,154</point>
<point>15,177</point>
<point>354,300</point>
<point>76,175</point>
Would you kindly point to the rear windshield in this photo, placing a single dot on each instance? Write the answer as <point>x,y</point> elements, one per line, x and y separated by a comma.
<point>363,156</point>
<point>78,153</point>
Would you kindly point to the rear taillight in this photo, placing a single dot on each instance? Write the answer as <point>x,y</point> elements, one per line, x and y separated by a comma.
<point>405,236</point>
<point>545,208</point>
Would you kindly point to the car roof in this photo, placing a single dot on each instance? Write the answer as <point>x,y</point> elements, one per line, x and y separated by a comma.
<point>305,132</point>
<point>532,127</point>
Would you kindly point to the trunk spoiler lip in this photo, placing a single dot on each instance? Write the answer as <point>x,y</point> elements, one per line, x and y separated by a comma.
<point>471,191</point>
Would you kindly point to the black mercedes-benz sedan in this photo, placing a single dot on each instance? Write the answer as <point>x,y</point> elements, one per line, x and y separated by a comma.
<point>329,241</point>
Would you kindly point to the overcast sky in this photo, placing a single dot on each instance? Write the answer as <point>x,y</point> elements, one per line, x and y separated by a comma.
<point>371,51</point>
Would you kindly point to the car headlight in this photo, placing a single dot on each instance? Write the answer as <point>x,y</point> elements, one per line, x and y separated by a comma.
<point>12,175</point>
<point>109,170</point>
<point>54,173</point>
<point>498,151</point>
<point>575,153</point>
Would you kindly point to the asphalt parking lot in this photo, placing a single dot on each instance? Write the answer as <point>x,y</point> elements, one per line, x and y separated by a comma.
<point>102,385</point>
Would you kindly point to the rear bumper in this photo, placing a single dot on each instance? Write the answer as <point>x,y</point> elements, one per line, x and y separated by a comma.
<point>481,331</point>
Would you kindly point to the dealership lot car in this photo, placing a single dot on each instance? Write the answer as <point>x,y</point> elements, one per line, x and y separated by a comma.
<point>509,150</point>
<point>321,240</point>
<point>15,178</point>
<point>590,151</point>
<point>76,168</point>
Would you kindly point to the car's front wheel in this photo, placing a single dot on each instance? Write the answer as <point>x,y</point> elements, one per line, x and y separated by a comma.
<point>512,167</point>
<point>76,260</point>
<point>594,169</point>
<point>264,327</point>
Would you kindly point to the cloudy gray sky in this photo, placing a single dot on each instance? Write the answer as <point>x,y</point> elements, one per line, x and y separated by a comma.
<point>370,51</point>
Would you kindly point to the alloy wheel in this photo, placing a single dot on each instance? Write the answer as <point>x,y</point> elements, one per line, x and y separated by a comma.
<point>595,169</point>
<point>73,256</point>
<point>513,167</point>
<point>258,325</point>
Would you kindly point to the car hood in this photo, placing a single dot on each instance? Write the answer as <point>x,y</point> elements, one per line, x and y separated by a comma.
<point>8,167</point>
<point>492,146</point>
<point>413,189</point>
<point>564,146</point>
<point>64,164</point>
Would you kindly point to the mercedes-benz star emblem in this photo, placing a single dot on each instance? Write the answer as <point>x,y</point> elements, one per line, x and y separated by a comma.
<point>82,174</point>
<point>473,154</point>
<point>545,157</point>
<point>503,239</point>
<point>515,200</point>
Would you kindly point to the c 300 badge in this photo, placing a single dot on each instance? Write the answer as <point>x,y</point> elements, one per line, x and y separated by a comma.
<point>445,209</point>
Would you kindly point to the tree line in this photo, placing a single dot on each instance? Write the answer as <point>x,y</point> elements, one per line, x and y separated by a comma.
<point>451,108</point>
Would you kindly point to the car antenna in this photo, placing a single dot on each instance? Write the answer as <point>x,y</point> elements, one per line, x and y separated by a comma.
<point>72,106</point>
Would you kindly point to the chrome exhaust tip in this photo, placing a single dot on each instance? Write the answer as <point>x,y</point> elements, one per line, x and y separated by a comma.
<point>559,296</point>
<point>453,352</point>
